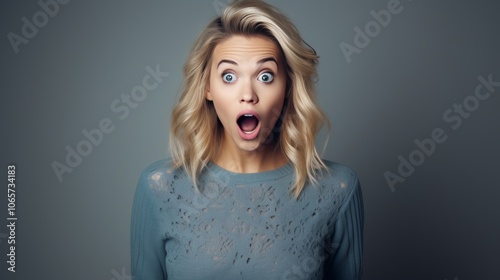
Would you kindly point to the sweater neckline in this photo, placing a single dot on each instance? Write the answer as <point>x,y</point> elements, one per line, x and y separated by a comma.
<point>256,177</point>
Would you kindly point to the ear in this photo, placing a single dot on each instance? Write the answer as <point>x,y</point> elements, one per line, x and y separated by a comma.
<point>208,95</point>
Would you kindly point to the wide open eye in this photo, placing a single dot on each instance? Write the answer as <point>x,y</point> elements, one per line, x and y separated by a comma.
<point>266,77</point>
<point>228,77</point>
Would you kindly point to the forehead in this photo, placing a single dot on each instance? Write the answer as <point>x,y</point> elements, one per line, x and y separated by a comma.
<point>246,48</point>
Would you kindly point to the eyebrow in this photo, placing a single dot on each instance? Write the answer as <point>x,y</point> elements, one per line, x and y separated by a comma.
<point>260,61</point>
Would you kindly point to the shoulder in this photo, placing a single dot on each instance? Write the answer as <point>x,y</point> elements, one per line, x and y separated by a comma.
<point>339,186</point>
<point>157,174</point>
<point>157,168</point>
<point>340,172</point>
<point>340,182</point>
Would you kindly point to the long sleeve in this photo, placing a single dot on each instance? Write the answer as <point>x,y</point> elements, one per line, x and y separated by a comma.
<point>147,246</point>
<point>345,262</point>
<point>246,225</point>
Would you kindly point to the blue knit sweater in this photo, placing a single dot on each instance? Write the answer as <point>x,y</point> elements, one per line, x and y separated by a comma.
<point>246,226</point>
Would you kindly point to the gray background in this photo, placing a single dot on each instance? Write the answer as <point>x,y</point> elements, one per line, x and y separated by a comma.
<point>442,222</point>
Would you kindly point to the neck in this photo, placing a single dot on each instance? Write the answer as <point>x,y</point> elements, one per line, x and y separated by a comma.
<point>266,158</point>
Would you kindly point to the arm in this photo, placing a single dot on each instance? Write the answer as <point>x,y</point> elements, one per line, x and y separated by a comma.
<point>346,243</point>
<point>147,246</point>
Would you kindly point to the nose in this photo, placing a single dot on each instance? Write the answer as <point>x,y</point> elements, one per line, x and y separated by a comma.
<point>248,94</point>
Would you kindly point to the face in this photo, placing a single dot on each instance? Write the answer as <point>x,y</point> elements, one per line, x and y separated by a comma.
<point>247,88</point>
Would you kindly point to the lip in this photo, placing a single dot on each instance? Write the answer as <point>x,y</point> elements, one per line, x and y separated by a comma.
<point>255,132</point>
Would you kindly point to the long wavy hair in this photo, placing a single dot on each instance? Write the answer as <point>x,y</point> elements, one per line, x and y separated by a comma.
<point>196,132</point>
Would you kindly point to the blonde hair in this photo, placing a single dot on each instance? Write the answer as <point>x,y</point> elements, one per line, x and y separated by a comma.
<point>195,130</point>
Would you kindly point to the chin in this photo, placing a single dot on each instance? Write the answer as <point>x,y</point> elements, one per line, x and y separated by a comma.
<point>255,145</point>
<point>249,146</point>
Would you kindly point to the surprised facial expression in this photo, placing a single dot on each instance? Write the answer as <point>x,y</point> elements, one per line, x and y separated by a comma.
<point>247,88</point>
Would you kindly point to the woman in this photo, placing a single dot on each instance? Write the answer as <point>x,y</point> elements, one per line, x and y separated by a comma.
<point>246,195</point>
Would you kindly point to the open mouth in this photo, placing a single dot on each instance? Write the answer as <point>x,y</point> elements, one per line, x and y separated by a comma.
<point>248,123</point>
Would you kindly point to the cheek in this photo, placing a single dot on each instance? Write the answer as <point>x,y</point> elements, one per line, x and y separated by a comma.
<point>219,107</point>
<point>277,97</point>
<point>222,109</point>
<point>274,108</point>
